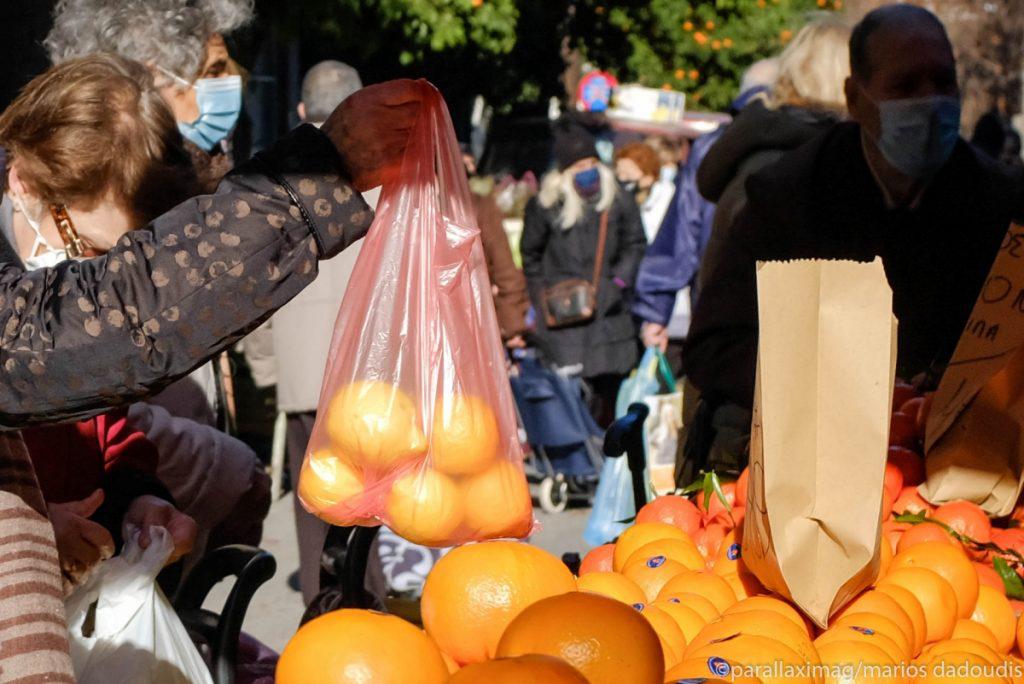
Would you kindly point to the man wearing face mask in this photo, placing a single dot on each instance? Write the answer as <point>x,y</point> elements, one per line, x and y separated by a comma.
<point>583,232</point>
<point>896,182</point>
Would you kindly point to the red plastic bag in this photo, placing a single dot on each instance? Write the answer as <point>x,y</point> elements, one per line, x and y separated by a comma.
<point>416,427</point>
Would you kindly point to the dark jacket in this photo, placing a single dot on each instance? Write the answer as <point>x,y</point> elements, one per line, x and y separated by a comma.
<point>673,259</point>
<point>822,201</point>
<point>608,343</point>
<point>507,282</point>
<point>756,138</point>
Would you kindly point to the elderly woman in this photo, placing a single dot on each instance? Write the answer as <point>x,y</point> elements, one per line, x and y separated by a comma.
<point>81,336</point>
<point>583,223</point>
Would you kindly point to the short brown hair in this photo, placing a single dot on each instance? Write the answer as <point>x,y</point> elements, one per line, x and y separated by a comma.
<point>643,155</point>
<point>97,126</point>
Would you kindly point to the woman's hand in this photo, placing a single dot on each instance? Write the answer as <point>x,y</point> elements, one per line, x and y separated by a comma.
<point>81,543</point>
<point>654,335</point>
<point>147,511</point>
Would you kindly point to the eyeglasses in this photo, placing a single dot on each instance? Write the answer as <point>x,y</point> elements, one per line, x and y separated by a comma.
<point>73,245</point>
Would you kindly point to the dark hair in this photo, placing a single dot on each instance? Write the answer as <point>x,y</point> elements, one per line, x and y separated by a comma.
<point>860,61</point>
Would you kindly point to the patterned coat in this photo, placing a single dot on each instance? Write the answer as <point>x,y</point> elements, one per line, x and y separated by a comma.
<point>84,336</point>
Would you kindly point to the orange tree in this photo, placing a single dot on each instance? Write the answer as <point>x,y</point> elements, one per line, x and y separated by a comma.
<point>700,47</point>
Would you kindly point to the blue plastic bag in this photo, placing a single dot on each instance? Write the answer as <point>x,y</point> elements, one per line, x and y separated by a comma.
<point>613,500</point>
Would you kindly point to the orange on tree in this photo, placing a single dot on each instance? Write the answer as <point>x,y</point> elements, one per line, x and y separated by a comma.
<point>688,620</point>
<point>351,646</point>
<point>598,559</point>
<point>764,623</point>
<point>994,611</point>
<point>425,507</point>
<point>855,662</point>
<point>912,607</point>
<point>606,640</point>
<point>771,603</point>
<point>376,425</point>
<point>682,551</point>
<point>497,502</point>
<point>770,658</point>
<point>882,604</point>
<point>476,590</point>
<point>652,573</point>
<point>706,584</point>
<point>635,536</point>
<point>614,585</point>
<point>671,509</point>
<point>331,487</point>
<point>670,634</point>
<point>969,629</point>
<point>858,634</point>
<point>465,438</point>
<point>951,563</point>
<point>699,604</point>
<point>879,623</point>
<point>525,668</point>
<point>934,594</point>
<point>924,532</point>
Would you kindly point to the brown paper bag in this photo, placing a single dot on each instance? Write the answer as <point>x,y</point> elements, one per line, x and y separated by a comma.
<point>973,445</point>
<point>826,362</point>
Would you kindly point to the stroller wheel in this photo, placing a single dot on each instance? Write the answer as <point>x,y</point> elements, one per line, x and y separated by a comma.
<point>553,494</point>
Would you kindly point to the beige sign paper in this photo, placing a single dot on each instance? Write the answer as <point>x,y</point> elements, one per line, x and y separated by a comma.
<point>826,362</point>
<point>973,442</point>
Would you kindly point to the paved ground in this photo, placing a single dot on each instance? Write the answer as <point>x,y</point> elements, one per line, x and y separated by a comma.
<point>274,614</point>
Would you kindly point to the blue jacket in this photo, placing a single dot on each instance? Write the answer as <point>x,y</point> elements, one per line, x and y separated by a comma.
<point>672,260</point>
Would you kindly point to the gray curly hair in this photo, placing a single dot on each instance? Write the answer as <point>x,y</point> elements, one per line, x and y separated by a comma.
<point>170,33</point>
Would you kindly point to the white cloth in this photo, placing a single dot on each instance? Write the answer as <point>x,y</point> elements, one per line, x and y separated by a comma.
<point>654,208</point>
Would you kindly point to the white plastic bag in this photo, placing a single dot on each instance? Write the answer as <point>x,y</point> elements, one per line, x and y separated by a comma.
<point>133,635</point>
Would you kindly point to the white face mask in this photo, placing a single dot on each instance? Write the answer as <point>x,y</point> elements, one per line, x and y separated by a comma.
<point>42,254</point>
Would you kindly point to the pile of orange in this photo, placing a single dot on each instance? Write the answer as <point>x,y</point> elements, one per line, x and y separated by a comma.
<point>435,487</point>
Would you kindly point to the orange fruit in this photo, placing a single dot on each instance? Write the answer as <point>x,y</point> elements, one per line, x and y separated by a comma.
<point>632,538</point>
<point>879,623</point>
<point>670,634</point>
<point>699,604</point>
<point>607,641</point>
<point>910,464</point>
<point>941,648</point>
<point>951,563</point>
<point>892,482</point>
<point>715,507</point>
<point>653,573</point>
<point>776,605</point>
<point>376,425</point>
<point>856,634</point>
<point>598,559</point>
<point>453,666</point>
<point>465,438</point>
<point>613,585</point>
<point>476,590</point>
<point>767,655</point>
<point>525,668</point>
<point>854,662</point>
<point>958,666</point>
<point>887,501</point>
<point>730,551</point>
<point>1020,633</point>
<point>680,550</point>
<point>700,670</point>
<point>885,556</point>
<point>912,607</point>
<point>892,531</point>
<point>688,620</point>
<point>672,510</point>
<point>988,575</point>
<point>744,583</point>
<point>910,501</point>
<point>883,604</point>
<point>425,507</point>
<point>709,540</point>
<point>330,488</point>
<point>969,629</point>
<point>706,584</point>
<point>924,532</point>
<point>965,518</point>
<point>742,483</point>
<point>934,594</point>
<point>503,481</point>
<point>995,612</point>
<point>360,647</point>
<point>764,623</point>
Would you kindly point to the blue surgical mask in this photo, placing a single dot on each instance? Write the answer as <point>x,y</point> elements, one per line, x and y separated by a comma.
<point>588,183</point>
<point>918,135</point>
<point>219,101</point>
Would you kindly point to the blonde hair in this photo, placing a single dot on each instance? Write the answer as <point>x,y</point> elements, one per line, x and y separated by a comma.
<point>557,187</point>
<point>814,67</point>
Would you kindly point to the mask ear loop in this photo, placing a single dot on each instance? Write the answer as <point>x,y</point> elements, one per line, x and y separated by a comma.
<point>175,77</point>
<point>40,241</point>
<point>73,245</point>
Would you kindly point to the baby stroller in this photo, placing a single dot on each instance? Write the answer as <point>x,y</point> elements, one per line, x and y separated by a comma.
<point>563,437</point>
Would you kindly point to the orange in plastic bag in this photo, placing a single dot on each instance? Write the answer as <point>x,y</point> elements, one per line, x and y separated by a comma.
<point>416,427</point>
